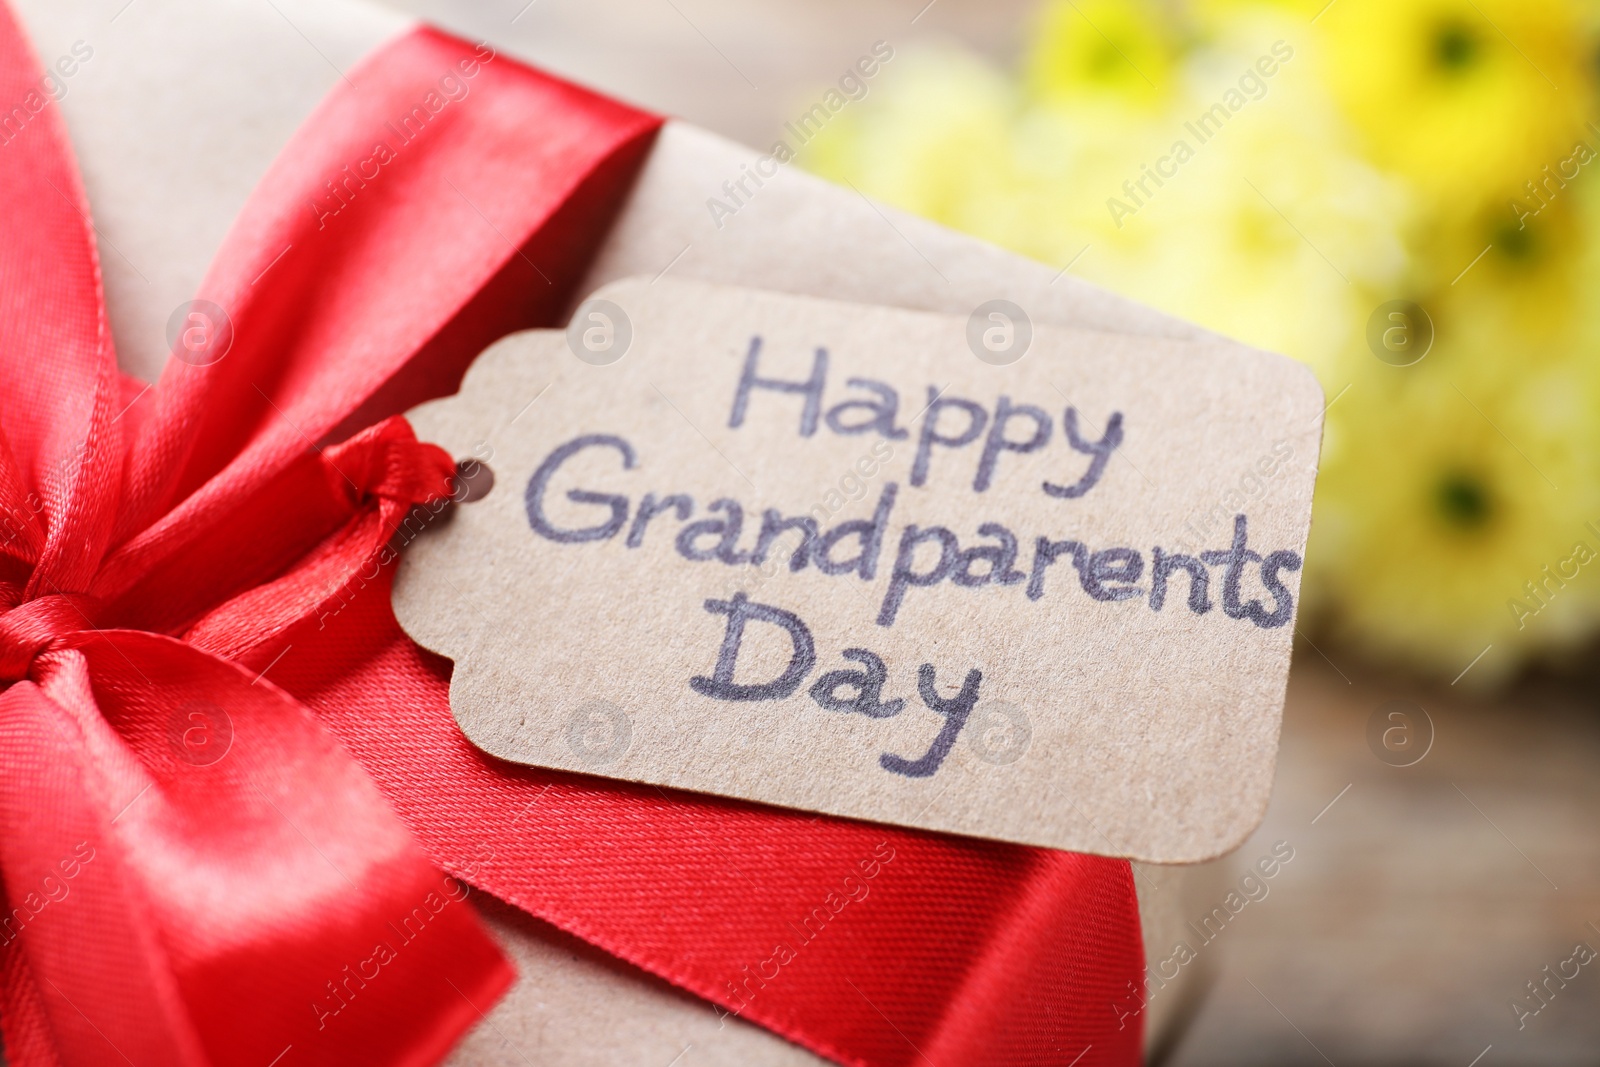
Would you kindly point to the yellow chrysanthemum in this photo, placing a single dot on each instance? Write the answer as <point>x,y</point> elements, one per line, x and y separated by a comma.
<point>1514,290</point>
<point>1446,491</point>
<point>1518,292</point>
<point>1271,234</point>
<point>1088,48</point>
<point>1465,98</point>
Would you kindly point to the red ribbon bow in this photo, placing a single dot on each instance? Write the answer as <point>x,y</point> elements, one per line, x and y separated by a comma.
<point>211,721</point>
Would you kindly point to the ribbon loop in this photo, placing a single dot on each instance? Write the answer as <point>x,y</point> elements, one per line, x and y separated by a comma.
<point>30,627</point>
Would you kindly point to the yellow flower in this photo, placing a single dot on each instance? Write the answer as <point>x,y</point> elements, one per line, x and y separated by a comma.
<point>1453,497</point>
<point>1518,292</point>
<point>1087,48</point>
<point>1463,97</point>
<point>1516,288</point>
<point>1273,233</point>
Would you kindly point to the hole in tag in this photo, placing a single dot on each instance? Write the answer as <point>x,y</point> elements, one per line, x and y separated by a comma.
<point>473,481</point>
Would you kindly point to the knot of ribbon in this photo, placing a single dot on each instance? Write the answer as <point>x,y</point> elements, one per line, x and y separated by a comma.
<point>232,785</point>
<point>389,463</point>
<point>28,628</point>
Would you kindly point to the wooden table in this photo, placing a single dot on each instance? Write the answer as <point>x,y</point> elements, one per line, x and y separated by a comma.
<point>1421,902</point>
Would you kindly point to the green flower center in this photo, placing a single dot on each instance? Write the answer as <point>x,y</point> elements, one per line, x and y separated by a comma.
<point>1105,62</point>
<point>1515,242</point>
<point>1463,501</point>
<point>1455,48</point>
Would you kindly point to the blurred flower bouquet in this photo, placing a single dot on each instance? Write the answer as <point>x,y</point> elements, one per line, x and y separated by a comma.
<point>1401,193</point>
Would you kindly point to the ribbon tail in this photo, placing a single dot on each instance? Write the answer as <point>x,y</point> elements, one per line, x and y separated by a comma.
<point>210,879</point>
<point>85,980</point>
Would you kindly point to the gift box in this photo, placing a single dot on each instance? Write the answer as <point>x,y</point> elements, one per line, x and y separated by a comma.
<point>188,121</point>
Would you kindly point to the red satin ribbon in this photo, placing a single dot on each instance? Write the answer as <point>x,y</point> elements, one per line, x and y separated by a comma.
<point>199,638</point>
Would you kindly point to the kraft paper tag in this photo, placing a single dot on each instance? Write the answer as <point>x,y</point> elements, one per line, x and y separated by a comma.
<point>972,574</point>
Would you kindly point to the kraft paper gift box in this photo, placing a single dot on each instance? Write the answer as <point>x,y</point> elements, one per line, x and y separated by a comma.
<point>177,107</point>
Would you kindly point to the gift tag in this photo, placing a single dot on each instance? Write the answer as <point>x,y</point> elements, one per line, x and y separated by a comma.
<point>972,574</point>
